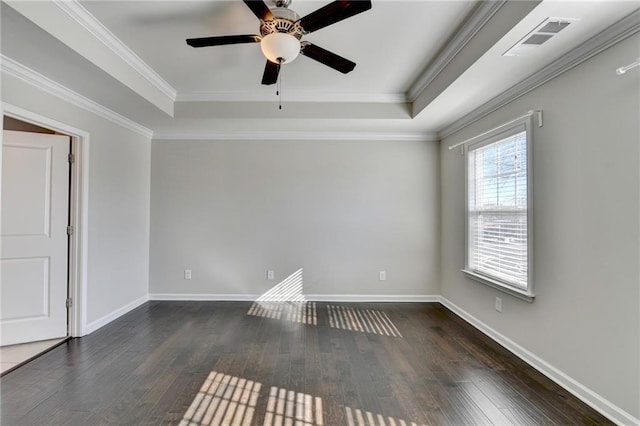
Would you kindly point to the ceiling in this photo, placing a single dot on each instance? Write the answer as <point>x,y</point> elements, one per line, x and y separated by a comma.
<point>385,65</point>
<point>421,65</point>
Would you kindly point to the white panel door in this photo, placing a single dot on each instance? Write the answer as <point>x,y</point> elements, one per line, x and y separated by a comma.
<point>33,264</point>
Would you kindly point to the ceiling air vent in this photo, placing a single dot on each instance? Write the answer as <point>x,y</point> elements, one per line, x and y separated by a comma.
<point>537,39</point>
<point>548,29</point>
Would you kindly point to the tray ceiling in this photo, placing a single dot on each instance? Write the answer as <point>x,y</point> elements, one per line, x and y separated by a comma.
<point>421,65</point>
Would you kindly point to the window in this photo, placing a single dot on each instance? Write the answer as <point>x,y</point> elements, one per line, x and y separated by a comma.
<point>498,229</point>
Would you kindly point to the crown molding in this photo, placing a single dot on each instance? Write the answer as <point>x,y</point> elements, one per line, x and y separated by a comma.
<point>615,33</point>
<point>391,98</point>
<point>89,22</point>
<point>464,35</point>
<point>317,136</point>
<point>16,69</point>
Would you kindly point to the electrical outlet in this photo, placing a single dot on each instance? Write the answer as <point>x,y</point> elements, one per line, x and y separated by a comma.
<point>270,275</point>
<point>498,304</point>
<point>187,274</point>
<point>382,275</point>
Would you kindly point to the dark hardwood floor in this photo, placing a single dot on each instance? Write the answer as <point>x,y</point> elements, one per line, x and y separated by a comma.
<point>316,364</point>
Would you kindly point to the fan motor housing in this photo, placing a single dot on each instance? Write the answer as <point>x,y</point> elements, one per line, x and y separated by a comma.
<point>284,21</point>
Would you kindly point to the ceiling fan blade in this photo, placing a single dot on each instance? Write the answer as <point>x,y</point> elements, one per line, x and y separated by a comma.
<point>222,40</point>
<point>332,13</point>
<point>327,58</point>
<point>271,72</point>
<point>260,9</point>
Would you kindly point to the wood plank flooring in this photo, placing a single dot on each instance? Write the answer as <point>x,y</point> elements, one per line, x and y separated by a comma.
<point>234,363</point>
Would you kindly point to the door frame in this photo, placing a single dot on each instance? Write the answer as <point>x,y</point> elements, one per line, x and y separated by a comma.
<point>79,214</point>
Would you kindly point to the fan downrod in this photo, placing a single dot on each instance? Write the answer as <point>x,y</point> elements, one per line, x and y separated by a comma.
<point>283,3</point>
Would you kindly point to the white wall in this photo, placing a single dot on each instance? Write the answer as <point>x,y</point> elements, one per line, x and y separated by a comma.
<point>341,210</point>
<point>119,174</point>
<point>585,319</point>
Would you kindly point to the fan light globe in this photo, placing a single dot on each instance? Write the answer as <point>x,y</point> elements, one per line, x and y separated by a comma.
<point>280,45</point>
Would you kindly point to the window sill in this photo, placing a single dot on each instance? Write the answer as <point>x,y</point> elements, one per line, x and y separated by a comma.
<point>520,294</point>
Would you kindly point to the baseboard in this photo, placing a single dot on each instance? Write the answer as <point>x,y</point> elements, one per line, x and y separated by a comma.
<point>111,316</point>
<point>204,297</point>
<point>392,298</point>
<point>589,397</point>
<point>309,297</point>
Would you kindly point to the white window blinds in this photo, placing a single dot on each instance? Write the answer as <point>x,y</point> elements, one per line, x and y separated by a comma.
<point>497,209</point>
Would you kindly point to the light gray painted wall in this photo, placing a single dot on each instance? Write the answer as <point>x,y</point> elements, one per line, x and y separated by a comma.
<point>585,319</point>
<point>341,210</point>
<point>119,173</point>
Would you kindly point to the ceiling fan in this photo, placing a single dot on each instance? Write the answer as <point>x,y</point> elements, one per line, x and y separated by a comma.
<point>281,31</point>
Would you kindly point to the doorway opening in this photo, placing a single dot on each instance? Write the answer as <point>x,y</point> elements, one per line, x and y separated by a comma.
<point>76,151</point>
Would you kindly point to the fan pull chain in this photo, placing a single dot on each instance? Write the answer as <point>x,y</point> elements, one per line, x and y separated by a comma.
<point>280,91</point>
<point>279,85</point>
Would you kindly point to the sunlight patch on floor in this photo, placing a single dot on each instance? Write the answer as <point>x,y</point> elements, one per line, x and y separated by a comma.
<point>223,400</point>
<point>301,312</point>
<point>356,417</point>
<point>231,401</point>
<point>286,407</point>
<point>363,320</point>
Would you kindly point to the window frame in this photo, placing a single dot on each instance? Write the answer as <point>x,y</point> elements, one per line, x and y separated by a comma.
<point>505,131</point>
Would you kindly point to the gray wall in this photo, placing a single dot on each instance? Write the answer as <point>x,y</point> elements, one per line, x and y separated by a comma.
<point>119,173</point>
<point>585,319</point>
<point>341,210</point>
